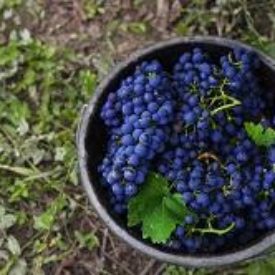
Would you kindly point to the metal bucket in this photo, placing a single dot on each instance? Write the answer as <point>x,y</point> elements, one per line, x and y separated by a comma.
<point>91,143</point>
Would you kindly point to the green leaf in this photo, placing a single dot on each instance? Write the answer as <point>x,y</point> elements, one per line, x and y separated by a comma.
<point>92,8</point>
<point>175,270</point>
<point>157,209</point>
<point>138,27</point>
<point>2,210</point>
<point>158,225</point>
<point>10,3</point>
<point>270,49</point>
<point>60,153</point>
<point>88,82</point>
<point>20,268</point>
<point>18,190</point>
<point>266,267</point>
<point>88,240</point>
<point>6,220</point>
<point>182,28</point>
<point>134,27</point>
<point>176,207</point>
<point>8,54</point>
<point>13,246</point>
<point>149,197</point>
<point>46,220</point>
<point>260,135</point>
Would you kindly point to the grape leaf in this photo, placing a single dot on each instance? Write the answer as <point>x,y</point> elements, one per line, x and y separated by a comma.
<point>260,135</point>
<point>159,224</point>
<point>175,205</point>
<point>149,197</point>
<point>157,209</point>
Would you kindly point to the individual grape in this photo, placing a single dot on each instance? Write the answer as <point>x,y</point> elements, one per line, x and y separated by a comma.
<point>271,155</point>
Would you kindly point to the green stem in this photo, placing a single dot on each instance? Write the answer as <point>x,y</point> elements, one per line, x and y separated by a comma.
<point>234,102</point>
<point>214,100</point>
<point>211,230</point>
<point>233,99</point>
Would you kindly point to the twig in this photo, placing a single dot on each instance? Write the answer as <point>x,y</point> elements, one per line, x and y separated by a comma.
<point>88,267</point>
<point>104,242</point>
<point>114,251</point>
<point>30,241</point>
<point>160,269</point>
<point>148,267</point>
<point>126,4</point>
<point>92,224</point>
<point>163,7</point>
<point>59,26</point>
<point>124,268</point>
<point>65,263</point>
<point>79,15</point>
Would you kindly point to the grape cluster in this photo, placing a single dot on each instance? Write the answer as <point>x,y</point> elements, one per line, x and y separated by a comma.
<point>137,115</point>
<point>189,127</point>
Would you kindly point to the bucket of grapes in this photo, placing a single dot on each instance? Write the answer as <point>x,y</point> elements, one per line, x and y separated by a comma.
<point>177,151</point>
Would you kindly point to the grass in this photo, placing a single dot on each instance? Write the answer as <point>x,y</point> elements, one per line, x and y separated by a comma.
<point>41,97</point>
<point>42,90</point>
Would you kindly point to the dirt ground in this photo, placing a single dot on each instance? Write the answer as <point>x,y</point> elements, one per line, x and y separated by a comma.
<point>106,32</point>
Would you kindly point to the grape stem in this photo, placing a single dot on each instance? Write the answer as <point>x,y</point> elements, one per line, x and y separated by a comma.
<point>207,156</point>
<point>236,63</point>
<point>234,102</point>
<point>211,230</point>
